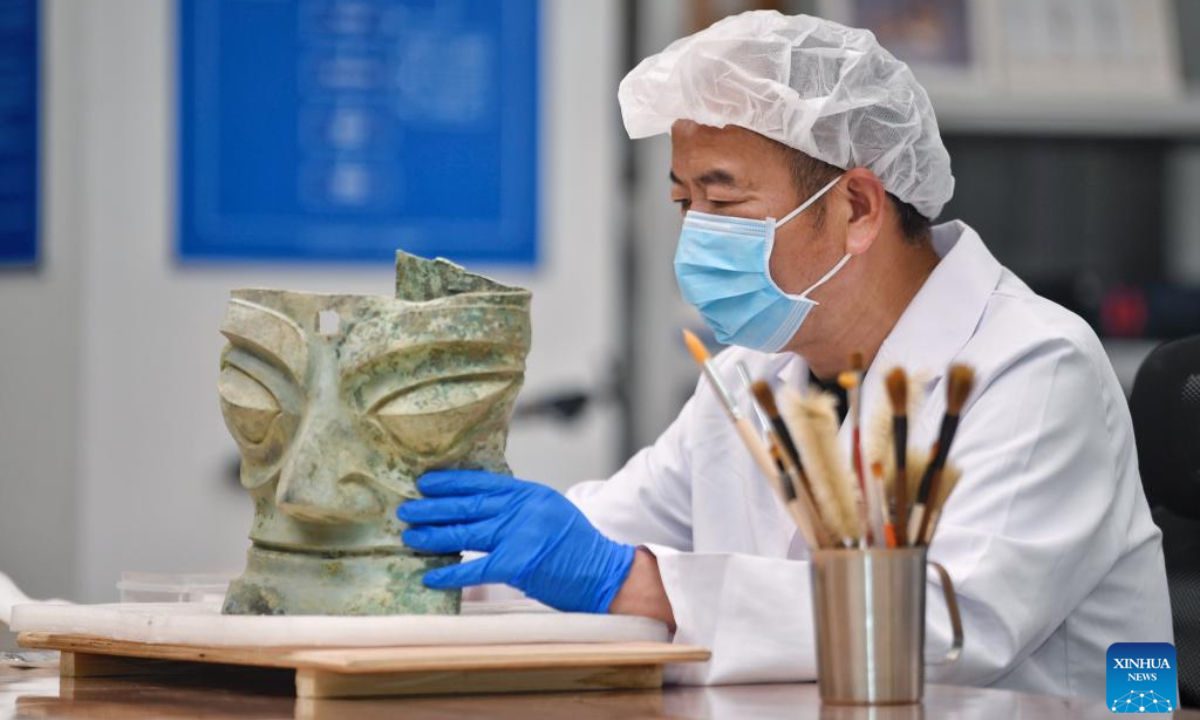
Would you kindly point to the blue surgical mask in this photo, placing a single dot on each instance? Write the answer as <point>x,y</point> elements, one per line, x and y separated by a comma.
<point>723,268</point>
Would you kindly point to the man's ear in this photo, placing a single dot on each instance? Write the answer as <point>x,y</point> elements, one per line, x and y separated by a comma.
<point>867,201</point>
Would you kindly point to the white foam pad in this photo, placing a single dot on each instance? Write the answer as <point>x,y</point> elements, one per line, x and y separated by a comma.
<point>203,624</point>
<point>10,596</point>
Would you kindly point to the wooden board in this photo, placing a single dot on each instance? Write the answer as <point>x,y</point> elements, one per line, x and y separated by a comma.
<point>322,684</point>
<point>359,672</point>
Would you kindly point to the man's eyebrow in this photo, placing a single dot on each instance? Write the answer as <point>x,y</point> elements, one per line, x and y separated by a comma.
<point>715,176</point>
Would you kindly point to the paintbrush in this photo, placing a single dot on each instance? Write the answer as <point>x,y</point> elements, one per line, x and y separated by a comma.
<point>745,430</point>
<point>813,423</point>
<point>879,431</point>
<point>889,527</point>
<point>958,387</point>
<point>758,452</point>
<point>897,390</point>
<point>949,479</point>
<point>781,442</point>
<point>869,514</point>
<point>766,400</point>
<point>799,505</point>
<point>791,474</point>
<point>704,360</point>
<point>790,484</point>
<point>879,437</point>
<point>854,396</point>
<point>916,462</point>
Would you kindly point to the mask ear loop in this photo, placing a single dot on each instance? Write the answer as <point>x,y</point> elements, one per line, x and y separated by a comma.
<point>841,263</point>
<point>805,205</point>
<point>770,244</point>
<point>827,277</point>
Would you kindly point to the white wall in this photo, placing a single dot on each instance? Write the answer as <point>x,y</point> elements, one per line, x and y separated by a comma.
<point>40,403</point>
<point>136,360</point>
<point>665,373</point>
<point>1183,215</point>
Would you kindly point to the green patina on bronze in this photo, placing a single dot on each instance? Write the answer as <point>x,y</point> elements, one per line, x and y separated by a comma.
<point>338,403</point>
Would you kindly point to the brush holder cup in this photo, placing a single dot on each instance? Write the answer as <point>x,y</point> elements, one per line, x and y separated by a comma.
<point>869,611</point>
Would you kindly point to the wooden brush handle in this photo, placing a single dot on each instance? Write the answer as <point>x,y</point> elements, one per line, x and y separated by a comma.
<point>753,442</point>
<point>776,476</point>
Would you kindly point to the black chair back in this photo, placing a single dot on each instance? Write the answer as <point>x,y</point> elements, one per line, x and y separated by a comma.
<point>1165,404</point>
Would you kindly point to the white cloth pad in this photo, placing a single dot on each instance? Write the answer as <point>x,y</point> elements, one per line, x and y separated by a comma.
<point>203,624</point>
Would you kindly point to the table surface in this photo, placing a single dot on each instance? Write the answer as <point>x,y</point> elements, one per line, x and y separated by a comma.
<point>41,694</point>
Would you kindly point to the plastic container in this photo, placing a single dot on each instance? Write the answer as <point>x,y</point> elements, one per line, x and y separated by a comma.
<point>141,587</point>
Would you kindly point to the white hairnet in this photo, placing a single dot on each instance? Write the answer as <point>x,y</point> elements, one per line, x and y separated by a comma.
<point>822,88</point>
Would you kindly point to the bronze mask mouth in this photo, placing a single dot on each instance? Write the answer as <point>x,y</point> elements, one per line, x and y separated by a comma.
<point>334,554</point>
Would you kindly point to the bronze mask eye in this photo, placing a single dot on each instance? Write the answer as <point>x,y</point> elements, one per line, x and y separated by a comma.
<point>431,418</point>
<point>248,406</point>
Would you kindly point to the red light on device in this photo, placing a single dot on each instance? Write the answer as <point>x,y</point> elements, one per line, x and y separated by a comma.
<point>1124,312</point>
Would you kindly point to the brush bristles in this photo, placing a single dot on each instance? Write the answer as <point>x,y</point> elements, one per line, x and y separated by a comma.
<point>766,399</point>
<point>950,475</point>
<point>962,378</point>
<point>917,461</point>
<point>695,347</point>
<point>847,380</point>
<point>857,362</point>
<point>813,423</point>
<point>878,438</point>
<point>897,390</point>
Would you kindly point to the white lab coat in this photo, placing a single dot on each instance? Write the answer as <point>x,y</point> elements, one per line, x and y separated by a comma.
<point>1048,536</point>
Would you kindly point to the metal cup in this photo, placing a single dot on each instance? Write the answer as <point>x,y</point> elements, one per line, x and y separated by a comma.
<point>869,611</point>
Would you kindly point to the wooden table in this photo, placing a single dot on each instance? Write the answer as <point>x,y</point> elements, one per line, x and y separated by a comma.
<point>40,694</point>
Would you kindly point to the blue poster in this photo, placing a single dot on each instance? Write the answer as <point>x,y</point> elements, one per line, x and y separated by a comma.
<point>18,132</point>
<point>342,130</point>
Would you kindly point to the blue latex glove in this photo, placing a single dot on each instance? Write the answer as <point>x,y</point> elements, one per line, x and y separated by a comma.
<point>536,540</point>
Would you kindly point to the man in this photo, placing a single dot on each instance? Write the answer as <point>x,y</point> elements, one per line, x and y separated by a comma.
<point>1048,536</point>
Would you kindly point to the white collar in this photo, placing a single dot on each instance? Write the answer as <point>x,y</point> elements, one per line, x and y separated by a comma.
<point>943,316</point>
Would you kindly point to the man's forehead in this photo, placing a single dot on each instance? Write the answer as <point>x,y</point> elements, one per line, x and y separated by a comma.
<point>720,156</point>
<point>695,133</point>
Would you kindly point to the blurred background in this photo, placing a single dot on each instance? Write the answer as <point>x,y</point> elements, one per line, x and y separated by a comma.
<point>155,154</point>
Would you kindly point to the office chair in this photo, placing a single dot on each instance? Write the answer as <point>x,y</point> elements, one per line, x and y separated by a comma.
<point>1165,404</point>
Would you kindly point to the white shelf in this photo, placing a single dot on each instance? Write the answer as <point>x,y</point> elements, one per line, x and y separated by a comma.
<point>1122,117</point>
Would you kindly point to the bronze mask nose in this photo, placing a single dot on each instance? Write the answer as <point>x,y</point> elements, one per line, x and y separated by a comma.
<point>326,477</point>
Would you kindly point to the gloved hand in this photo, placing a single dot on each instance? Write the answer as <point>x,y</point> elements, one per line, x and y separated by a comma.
<point>536,540</point>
